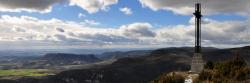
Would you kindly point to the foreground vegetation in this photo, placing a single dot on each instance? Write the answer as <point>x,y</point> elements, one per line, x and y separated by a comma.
<point>5,74</point>
<point>170,78</point>
<point>230,71</point>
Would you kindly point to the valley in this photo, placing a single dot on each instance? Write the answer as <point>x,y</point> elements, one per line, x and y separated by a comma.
<point>111,67</point>
<point>16,67</point>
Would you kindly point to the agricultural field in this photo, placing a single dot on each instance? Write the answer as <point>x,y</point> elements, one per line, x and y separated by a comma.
<point>18,73</point>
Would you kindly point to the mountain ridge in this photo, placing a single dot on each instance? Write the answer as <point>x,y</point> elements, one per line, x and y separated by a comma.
<point>144,68</point>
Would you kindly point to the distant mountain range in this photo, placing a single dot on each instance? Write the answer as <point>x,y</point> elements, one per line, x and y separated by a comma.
<point>48,61</point>
<point>62,58</point>
<point>62,61</point>
<point>140,69</point>
<point>41,52</point>
<point>120,54</point>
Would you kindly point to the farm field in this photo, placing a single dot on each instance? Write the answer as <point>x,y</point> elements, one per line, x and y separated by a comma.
<point>18,73</point>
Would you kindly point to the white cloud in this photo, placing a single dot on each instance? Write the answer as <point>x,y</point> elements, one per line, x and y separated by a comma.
<point>45,6</point>
<point>228,32</point>
<point>91,22</point>
<point>186,7</point>
<point>18,29</point>
<point>136,30</point>
<point>126,10</point>
<point>174,35</point>
<point>55,32</point>
<point>214,33</point>
<point>80,15</point>
<point>42,6</point>
<point>32,31</point>
<point>93,6</point>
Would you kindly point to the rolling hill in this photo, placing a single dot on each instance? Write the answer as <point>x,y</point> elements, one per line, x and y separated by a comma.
<point>142,69</point>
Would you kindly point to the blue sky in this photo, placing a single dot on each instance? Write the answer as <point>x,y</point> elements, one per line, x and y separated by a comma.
<point>102,24</point>
<point>113,17</point>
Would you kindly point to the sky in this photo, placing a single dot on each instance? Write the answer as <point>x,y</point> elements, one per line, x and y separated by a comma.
<point>58,24</point>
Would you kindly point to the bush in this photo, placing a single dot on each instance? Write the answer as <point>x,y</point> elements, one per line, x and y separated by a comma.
<point>170,78</point>
<point>209,65</point>
<point>234,70</point>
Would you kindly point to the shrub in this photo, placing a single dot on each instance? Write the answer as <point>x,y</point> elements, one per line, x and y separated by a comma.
<point>234,70</point>
<point>170,78</point>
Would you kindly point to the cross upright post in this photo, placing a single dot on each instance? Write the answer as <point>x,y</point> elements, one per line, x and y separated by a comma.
<point>198,16</point>
<point>197,60</point>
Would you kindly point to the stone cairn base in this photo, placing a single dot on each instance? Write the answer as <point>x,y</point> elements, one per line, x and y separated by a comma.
<point>197,64</point>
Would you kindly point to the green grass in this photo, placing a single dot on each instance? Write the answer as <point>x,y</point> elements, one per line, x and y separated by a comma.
<point>25,72</point>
